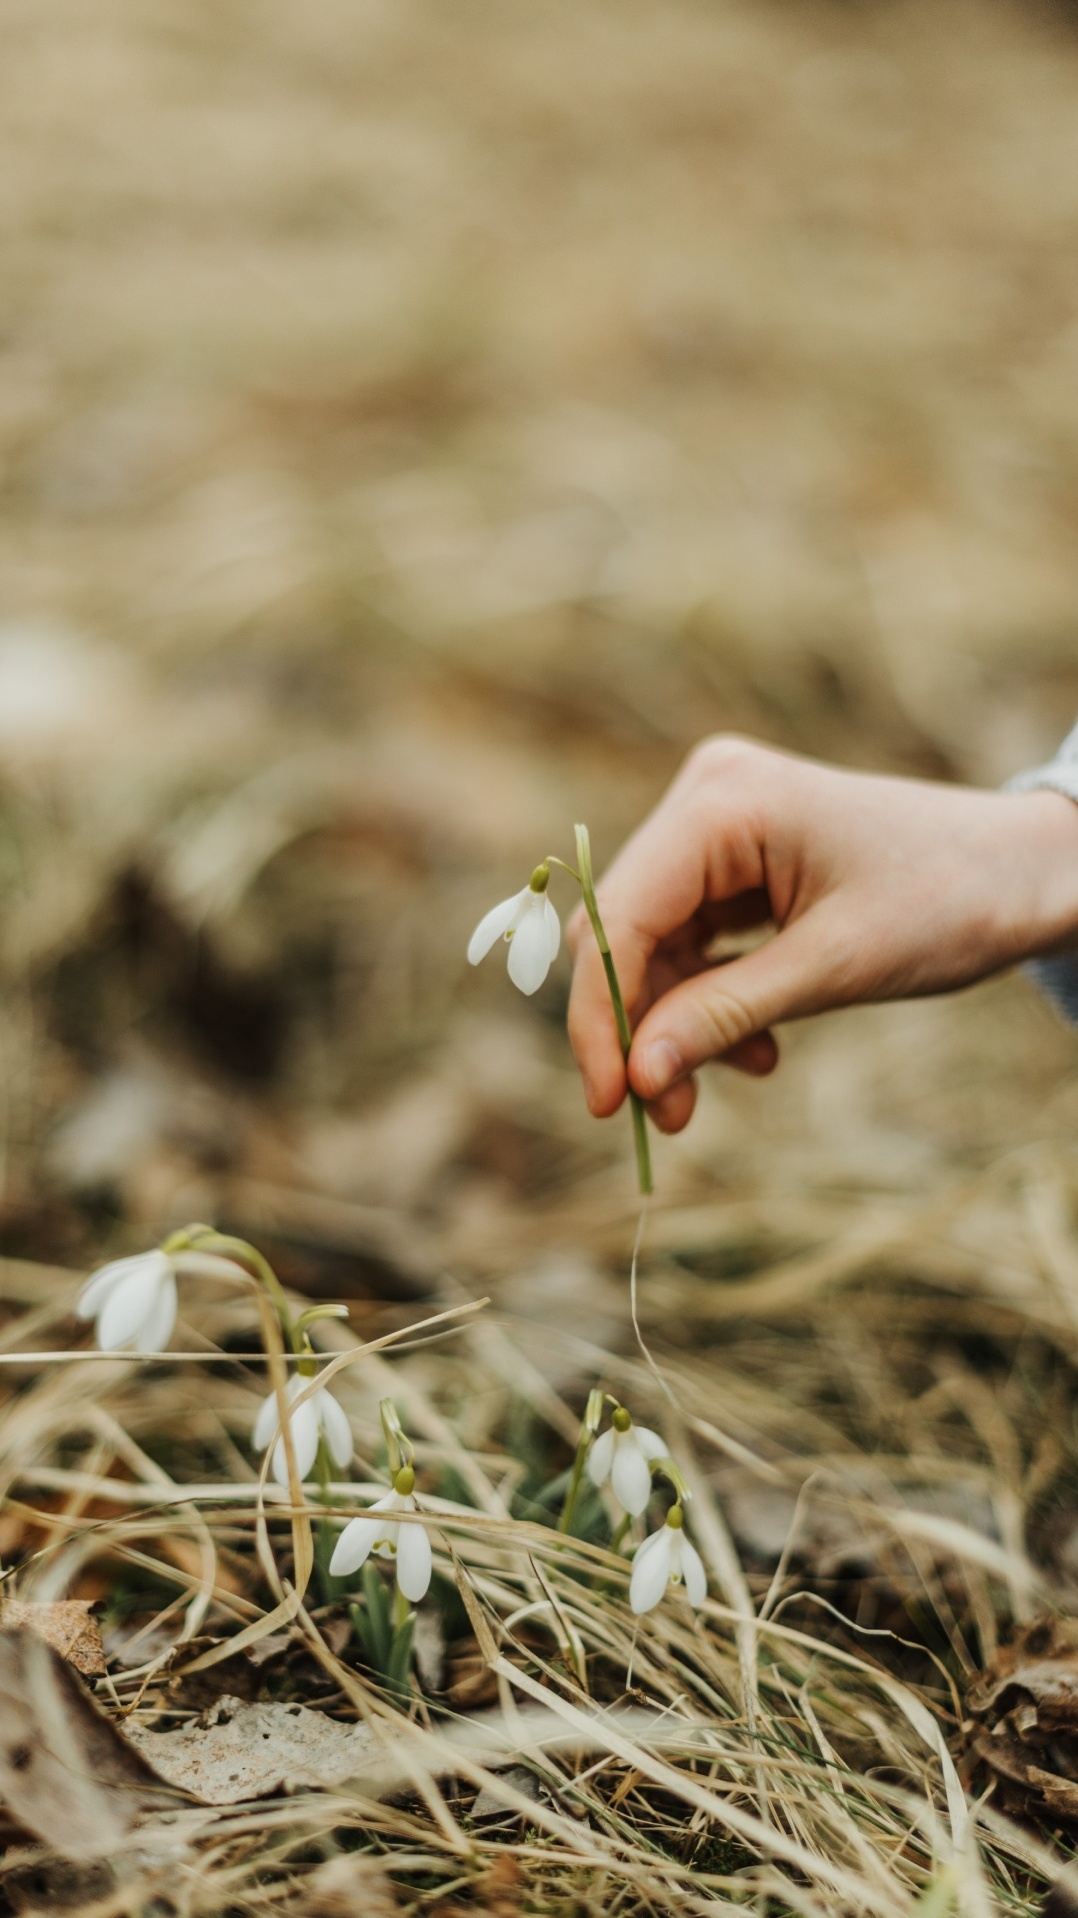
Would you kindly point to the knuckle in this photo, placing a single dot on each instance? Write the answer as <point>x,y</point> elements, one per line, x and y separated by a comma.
<point>724,1021</point>
<point>723,756</point>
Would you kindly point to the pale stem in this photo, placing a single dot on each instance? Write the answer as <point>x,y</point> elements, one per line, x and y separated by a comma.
<point>621,1017</point>
<point>324,1476</point>
<point>203,1238</point>
<point>569,1508</point>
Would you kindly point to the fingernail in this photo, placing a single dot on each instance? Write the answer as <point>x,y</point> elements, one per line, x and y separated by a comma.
<point>589,1092</point>
<point>661,1064</point>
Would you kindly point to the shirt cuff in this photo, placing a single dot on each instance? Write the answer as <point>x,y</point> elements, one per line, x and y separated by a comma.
<point>1056,977</point>
<point>1059,775</point>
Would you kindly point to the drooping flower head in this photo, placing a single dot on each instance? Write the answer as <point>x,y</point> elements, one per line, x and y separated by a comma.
<point>380,1532</point>
<point>623,1454</point>
<point>319,1417</point>
<point>667,1558</point>
<point>529,924</point>
<point>133,1301</point>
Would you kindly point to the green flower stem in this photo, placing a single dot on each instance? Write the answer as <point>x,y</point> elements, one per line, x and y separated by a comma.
<point>326,1534</point>
<point>587,1433</point>
<point>203,1238</point>
<point>621,1017</point>
<point>621,1533</point>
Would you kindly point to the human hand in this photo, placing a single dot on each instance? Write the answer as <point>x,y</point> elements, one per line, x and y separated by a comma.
<point>878,888</point>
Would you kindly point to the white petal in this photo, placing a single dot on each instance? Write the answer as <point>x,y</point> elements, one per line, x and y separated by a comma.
<point>354,1546</point>
<point>265,1424</point>
<point>100,1283</point>
<point>500,919</point>
<point>651,1571</point>
<point>129,1304</point>
<point>413,1561</point>
<point>529,948</point>
<point>359,1538</point>
<point>630,1477</point>
<point>693,1573</point>
<point>553,927</point>
<point>305,1436</point>
<point>156,1328</point>
<point>338,1432</point>
<point>650,1443</point>
<point>601,1457</point>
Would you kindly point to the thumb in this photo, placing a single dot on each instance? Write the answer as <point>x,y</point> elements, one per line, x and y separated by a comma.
<point>710,1015</point>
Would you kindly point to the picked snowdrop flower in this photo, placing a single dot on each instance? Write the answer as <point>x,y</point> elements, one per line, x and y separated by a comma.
<point>133,1301</point>
<point>320,1417</point>
<point>380,1532</point>
<point>529,924</point>
<point>667,1558</point>
<point>623,1454</point>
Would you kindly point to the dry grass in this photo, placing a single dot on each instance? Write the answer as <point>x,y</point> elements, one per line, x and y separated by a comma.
<point>417,429</point>
<point>796,1741</point>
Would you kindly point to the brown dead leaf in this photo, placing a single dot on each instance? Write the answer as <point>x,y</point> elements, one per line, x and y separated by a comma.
<point>1027,1700</point>
<point>236,1751</point>
<point>66,1625</point>
<point>66,1773</point>
<point>1041,1666</point>
<point>471,1684</point>
<point>57,1884</point>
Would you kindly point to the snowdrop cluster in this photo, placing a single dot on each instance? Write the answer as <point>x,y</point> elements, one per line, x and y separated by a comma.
<point>625,1454</point>
<point>133,1303</point>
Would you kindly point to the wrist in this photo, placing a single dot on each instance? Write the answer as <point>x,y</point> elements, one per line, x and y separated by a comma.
<point>1048,850</point>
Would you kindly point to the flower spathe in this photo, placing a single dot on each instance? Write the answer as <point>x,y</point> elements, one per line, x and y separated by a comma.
<point>133,1302</point>
<point>378,1531</point>
<point>529,923</point>
<point>319,1417</point>
<point>623,1454</point>
<point>667,1558</point>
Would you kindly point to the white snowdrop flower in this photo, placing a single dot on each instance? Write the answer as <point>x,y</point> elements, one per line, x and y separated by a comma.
<point>133,1301</point>
<point>667,1558</point>
<point>623,1455</point>
<point>320,1417</point>
<point>407,1544</point>
<point>529,923</point>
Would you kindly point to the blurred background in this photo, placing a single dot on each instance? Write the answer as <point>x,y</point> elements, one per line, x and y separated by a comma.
<point>420,425</point>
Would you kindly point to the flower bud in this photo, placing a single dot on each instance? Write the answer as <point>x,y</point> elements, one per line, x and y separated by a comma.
<point>593,1411</point>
